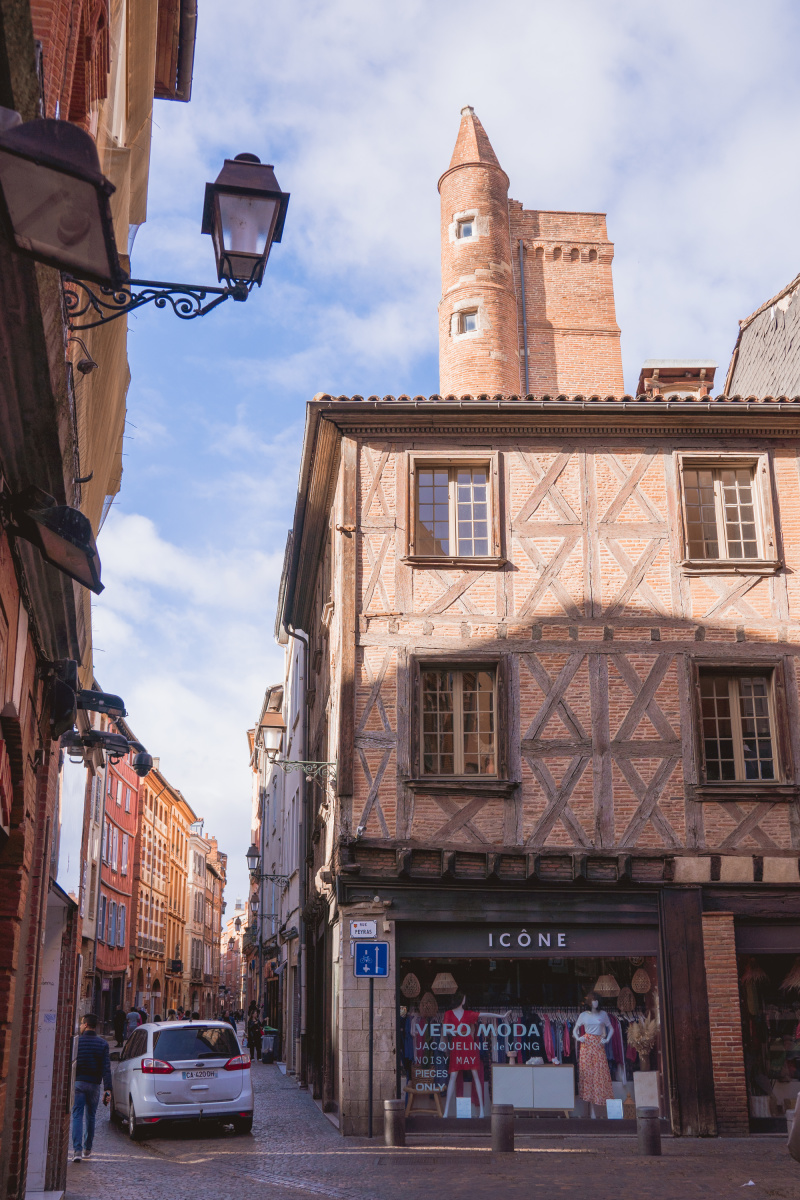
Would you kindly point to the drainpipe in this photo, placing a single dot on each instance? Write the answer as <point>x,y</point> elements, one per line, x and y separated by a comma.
<point>524,312</point>
<point>300,1053</point>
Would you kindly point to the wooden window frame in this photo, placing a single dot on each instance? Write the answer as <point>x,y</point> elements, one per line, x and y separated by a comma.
<point>497,784</point>
<point>784,786</point>
<point>427,459</point>
<point>768,561</point>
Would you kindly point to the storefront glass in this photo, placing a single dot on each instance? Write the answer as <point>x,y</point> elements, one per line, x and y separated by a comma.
<point>770,1003</point>
<point>477,1030</point>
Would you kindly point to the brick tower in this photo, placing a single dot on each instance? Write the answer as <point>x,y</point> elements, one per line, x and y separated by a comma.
<point>517,281</point>
<point>478,341</point>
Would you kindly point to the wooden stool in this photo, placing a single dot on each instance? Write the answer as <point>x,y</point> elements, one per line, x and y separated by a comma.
<point>416,1088</point>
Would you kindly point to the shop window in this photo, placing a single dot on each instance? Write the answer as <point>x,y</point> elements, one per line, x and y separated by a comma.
<point>523,1031</point>
<point>727,512</point>
<point>770,1005</point>
<point>459,728</point>
<point>738,726</point>
<point>456,509</point>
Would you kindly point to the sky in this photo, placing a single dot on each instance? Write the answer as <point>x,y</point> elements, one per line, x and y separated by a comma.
<point>678,119</point>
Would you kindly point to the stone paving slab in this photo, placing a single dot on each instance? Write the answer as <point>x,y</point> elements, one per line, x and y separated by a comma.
<point>296,1153</point>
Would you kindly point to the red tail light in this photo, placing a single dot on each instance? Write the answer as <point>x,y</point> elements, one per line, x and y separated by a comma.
<point>240,1063</point>
<point>156,1066</point>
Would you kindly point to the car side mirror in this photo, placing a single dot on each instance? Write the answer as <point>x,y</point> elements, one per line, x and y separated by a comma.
<point>114,1056</point>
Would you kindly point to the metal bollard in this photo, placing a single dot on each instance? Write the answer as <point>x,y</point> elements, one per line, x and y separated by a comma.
<point>648,1129</point>
<point>502,1128</point>
<point>394,1122</point>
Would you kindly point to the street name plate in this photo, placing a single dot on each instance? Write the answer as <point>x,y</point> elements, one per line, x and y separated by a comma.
<point>363,929</point>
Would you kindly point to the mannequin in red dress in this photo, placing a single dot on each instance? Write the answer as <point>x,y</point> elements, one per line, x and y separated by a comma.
<point>464,1051</point>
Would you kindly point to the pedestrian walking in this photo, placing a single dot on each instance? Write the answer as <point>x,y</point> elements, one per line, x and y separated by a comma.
<point>132,1021</point>
<point>92,1072</point>
<point>254,1036</point>
<point>231,1019</point>
<point>119,1024</point>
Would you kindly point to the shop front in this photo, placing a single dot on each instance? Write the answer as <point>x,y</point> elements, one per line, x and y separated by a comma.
<point>561,1020</point>
<point>768,964</point>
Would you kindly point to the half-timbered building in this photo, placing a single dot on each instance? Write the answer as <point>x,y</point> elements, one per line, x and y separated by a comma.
<point>553,654</point>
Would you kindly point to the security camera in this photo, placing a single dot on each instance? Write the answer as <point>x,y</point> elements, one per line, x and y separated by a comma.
<point>113,744</point>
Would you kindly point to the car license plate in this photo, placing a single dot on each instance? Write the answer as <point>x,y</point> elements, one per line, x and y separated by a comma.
<point>199,1074</point>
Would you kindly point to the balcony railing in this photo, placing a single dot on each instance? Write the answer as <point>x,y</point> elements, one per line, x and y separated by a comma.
<point>197,975</point>
<point>208,977</point>
<point>150,945</point>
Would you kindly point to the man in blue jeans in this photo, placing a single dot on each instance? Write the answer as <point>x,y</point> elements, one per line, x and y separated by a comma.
<point>93,1069</point>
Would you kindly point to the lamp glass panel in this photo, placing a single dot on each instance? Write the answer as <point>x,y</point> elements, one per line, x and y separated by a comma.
<point>71,559</point>
<point>54,215</point>
<point>246,223</point>
<point>272,738</point>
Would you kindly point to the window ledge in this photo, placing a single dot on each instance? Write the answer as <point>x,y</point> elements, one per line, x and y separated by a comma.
<point>454,560</point>
<point>761,791</point>
<point>483,785</point>
<point>731,566</point>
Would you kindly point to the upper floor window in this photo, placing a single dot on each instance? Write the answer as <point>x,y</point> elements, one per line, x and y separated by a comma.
<point>738,726</point>
<point>468,321</point>
<point>453,511</point>
<point>727,512</point>
<point>458,721</point>
<point>465,228</point>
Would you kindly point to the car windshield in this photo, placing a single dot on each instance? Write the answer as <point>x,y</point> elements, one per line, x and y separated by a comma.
<point>196,1041</point>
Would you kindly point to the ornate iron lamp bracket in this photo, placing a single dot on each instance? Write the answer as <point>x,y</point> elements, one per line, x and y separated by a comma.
<point>316,771</point>
<point>104,304</point>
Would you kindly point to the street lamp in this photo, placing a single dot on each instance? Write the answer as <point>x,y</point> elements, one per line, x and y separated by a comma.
<point>54,199</point>
<point>272,729</point>
<point>254,904</point>
<point>62,535</point>
<point>244,211</point>
<point>237,924</point>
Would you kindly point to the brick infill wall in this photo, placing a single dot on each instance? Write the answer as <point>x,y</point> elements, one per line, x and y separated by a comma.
<point>730,1089</point>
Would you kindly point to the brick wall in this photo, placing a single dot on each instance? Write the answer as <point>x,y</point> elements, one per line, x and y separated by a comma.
<point>730,1091</point>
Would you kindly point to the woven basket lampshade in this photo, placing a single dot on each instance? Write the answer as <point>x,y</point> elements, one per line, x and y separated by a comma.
<point>626,1001</point>
<point>641,981</point>
<point>444,984</point>
<point>410,986</point>
<point>792,981</point>
<point>606,986</point>
<point>428,1007</point>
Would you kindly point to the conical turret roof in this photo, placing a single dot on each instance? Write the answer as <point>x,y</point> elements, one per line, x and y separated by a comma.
<point>472,147</point>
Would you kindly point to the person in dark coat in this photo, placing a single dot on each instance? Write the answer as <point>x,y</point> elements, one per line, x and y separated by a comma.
<point>119,1024</point>
<point>92,1071</point>
<point>254,1036</point>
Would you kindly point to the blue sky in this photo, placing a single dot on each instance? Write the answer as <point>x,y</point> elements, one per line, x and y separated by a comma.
<point>679,120</point>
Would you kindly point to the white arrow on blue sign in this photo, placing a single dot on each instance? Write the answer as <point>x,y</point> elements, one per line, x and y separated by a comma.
<point>371,960</point>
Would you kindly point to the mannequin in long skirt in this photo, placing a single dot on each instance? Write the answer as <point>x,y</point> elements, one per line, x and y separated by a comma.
<point>593,1030</point>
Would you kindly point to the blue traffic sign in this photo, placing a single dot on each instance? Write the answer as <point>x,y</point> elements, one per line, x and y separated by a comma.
<point>371,960</point>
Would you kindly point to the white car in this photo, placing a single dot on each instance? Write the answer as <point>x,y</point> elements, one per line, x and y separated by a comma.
<point>182,1071</point>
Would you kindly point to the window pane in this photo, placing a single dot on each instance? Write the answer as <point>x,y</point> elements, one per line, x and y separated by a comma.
<point>737,497</point>
<point>717,728</point>
<point>433,508</point>
<point>465,229</point>
<point>437,709</point>
<point>756,733</point>
<point>472,489</point>
<point>478,732</point>
<point>701,517</point>
<point>469,322</point>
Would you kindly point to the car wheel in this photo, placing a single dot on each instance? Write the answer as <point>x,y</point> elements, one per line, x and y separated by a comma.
<point>135,1132</point>
<point>113,1114</point>
<point>243,1125</point>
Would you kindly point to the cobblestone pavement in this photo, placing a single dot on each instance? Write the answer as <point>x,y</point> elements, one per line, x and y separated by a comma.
<point>295,1153</point>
